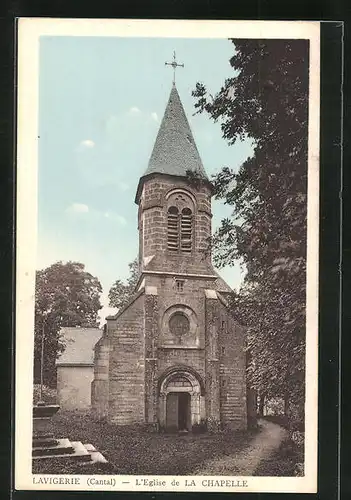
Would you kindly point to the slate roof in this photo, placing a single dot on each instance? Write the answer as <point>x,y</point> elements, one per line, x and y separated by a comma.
<point>80,343</point>
<point>220,285</point>
<point>175,151</point>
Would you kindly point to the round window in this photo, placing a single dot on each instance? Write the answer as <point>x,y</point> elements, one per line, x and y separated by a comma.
<point>179,324</point>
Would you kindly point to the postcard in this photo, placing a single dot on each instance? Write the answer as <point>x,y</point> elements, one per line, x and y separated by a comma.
<point>167,255</point>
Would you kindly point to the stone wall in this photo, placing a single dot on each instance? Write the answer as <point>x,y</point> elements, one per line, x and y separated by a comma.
<point>194,358</point>
<point>74,387</point>
<point>232,369</point>
<point>100,384</point>
<point>153,226</point>
<point>190,351</point>
<point>126,365</point>
<point>191,297</point>
<point>151,333</point>
<point>141,352</point>
<point>212,363</point>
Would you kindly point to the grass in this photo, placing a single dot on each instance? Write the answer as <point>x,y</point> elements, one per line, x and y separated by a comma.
<point>132,450</point>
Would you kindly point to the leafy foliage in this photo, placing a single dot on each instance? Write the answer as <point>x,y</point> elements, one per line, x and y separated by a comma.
<point>266,101</point>
<point>121,292</point>
<point>48,394</point>
<point>65,295</point>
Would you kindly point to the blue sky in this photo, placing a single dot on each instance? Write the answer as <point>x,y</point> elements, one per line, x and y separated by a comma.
<point>101,101</point>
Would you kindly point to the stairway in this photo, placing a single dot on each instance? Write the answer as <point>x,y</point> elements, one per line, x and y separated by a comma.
<point>66,451</point>
<point>53,455</point>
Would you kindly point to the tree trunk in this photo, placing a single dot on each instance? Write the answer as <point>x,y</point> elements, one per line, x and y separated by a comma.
<point>287,410</point>
<point>261,405</point>
<point>286,406</point>
<point>251,408</point>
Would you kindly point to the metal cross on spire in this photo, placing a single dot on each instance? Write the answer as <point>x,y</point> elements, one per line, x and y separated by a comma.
<point>174,65</point>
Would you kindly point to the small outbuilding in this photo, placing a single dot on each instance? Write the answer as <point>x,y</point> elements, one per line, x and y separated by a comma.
<point>75,367</point>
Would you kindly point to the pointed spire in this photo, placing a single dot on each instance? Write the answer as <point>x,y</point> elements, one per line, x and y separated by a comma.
<point>175,151</point>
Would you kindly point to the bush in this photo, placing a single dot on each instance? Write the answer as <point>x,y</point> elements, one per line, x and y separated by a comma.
<point>299,470</point>
<point>298,438</point>
<point>278,419</point>
<point>49,395</point>
<point>213,425</point>
<point>274,406</point>
<point>200,427</point>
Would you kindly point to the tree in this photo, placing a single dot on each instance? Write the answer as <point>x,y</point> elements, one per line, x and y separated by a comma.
<point>121,292</point>
<point>266,100</point>
<point>65,295</point>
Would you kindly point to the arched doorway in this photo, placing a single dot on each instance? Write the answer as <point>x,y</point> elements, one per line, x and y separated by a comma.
<point>178,411</point>
<point>181,400</point>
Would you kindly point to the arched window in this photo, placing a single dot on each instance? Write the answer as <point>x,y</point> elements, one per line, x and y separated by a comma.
<point>180,221</point>
<point>173,229</point>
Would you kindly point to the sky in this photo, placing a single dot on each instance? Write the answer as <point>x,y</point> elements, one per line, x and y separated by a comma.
<point>101,101</point>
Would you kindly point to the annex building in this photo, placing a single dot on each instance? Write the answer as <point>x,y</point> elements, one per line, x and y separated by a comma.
<point>174,356</point>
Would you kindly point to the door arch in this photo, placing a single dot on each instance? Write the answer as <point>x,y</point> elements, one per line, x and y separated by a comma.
<point>181,399</point>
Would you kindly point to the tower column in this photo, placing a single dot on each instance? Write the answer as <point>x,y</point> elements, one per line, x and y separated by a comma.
<point>151,336</point>
<point>212,362</point>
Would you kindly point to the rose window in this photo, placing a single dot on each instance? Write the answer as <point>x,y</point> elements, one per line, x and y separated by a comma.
<point>179,324</point>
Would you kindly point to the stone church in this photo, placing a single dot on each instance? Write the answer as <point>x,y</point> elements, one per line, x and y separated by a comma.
<point>173,357</point>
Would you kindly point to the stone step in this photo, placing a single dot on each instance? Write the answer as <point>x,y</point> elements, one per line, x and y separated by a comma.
<point>44,442</point>
<point>96,456</point>
<point>43,435</point>
<point>62,447</point>
<point>79,453</point>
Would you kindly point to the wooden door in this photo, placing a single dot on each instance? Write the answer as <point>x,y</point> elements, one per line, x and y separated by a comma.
<point>172,411</point>
<point>184,411</point>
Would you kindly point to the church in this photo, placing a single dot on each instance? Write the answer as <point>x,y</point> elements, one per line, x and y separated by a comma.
<point>174,357</point>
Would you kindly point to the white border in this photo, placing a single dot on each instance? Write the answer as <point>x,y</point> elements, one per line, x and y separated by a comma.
<point>29,31</point>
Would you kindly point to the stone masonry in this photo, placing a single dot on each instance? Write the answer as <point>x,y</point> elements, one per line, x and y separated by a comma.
<point>174,357</point>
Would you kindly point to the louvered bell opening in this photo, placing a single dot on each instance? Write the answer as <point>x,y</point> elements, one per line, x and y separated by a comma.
<point>173,230</point>
<point>186,230</point>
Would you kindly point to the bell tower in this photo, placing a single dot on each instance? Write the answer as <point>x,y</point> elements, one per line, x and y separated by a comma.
<point>173,357</point>
<point>174,198</point>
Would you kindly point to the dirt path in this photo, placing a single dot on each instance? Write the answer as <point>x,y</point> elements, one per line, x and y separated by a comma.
<point>246,462</point>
